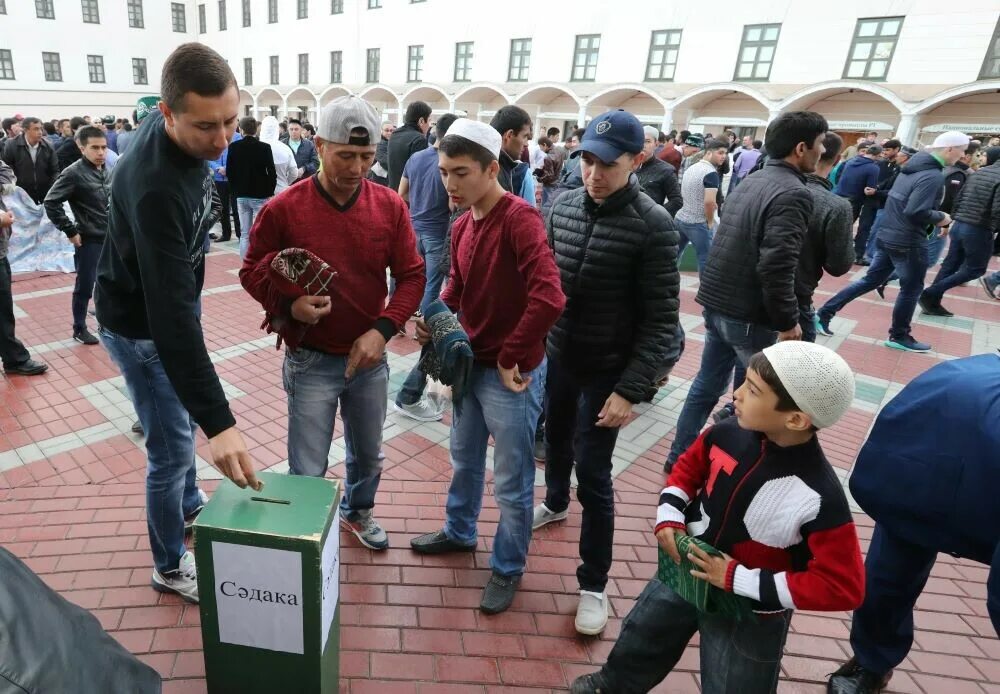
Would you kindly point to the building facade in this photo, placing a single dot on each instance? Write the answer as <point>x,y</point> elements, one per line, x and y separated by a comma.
<point>905,67</point>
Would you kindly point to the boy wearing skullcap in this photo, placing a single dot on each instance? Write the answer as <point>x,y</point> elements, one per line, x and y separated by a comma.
<point>765,522</point>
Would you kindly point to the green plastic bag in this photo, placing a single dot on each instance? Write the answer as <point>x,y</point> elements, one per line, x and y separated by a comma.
<point>702,594</point>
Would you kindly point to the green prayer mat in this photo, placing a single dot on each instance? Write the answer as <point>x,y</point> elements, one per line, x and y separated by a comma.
<point>702,594</point>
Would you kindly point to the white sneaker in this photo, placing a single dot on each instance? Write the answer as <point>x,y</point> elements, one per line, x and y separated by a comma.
<point>193,516</point>
<point>183,580</point>
<point>543,516</point>
<point>591,613</point>
<point>422,411</point>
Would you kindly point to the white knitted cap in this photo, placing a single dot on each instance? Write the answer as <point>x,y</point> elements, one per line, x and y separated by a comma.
<point>818,379</point>
<point>480,133</point>
<point>952,138</point>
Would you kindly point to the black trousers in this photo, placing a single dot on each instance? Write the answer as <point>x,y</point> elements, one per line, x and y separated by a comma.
<point>11,350</point>
<point>571,435</point>
<point>85,259</point>
<point>229,218</point>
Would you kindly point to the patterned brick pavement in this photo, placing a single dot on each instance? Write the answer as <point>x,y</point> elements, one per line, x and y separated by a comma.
<point>72,505</point>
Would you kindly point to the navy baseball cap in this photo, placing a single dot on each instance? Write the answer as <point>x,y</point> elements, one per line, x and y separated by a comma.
<point>611,135</point>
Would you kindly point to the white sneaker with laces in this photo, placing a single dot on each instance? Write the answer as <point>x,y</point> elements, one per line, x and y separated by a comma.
<point>422,411</point>
<point>183,580</point>
<point>367,530</point>
<point>591,613</point>
<point>543,516</point>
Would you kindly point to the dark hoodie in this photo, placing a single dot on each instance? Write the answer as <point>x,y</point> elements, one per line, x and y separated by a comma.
<point>911,209</point>
<point>856,175</point>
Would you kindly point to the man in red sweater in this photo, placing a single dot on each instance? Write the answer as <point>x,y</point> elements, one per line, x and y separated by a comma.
<point>505,287</point>
<point>360,228</point>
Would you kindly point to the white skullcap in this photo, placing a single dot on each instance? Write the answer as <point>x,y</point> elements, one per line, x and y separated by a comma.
<point>480,133</point>
<point>650,131</point>
<point>818,379</point>
<point>952,138</point>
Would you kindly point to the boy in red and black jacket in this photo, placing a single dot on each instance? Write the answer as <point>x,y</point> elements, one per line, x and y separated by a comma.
<point>758,488</point>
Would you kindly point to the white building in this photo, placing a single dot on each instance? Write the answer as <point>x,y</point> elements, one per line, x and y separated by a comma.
<point>909,67</point>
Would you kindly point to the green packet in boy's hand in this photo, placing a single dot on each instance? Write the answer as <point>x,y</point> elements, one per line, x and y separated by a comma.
<point>702,594</point>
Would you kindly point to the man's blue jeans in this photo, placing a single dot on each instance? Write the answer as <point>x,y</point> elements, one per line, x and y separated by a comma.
<point>896,572</point>
<point>911,266</point>
<point>247,209</point>
<point>490,409</point>
<point>743,656</point>
<point>315,383</point>
<point>171,491</point>
<point>699,235</point>
<point>967,259</point>
<point>431,248</point>
<point>873,234</point>
<point>728,343</point>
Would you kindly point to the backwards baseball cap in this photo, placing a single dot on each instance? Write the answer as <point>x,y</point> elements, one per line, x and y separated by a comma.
<point>611,135</point>
<point>341,116</point>
<point>908,151</point>
<point>486,136</point>
<point>695,140</point>
<point>818,379</point>
<point>145,106</point>
<point>952,138</point>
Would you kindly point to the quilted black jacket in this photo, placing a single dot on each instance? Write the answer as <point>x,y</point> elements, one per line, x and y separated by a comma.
<point>750,271</point>
<point>978,202</point>
<point>618,264</point>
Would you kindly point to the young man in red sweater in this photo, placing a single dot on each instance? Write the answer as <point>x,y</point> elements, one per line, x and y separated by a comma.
<point>505,287</point>
<point>758,489</point>
<point>360,228</point>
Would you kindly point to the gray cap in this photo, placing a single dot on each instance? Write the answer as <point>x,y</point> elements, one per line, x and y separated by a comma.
<point>339,117</point>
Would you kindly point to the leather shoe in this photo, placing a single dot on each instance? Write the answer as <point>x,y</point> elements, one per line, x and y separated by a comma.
<point>438,542</point>
<point>851,678</point>
<point>27,368</point>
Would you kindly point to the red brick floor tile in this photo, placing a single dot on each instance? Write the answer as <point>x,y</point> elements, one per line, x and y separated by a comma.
<point>370,638</point>
<point>177,639</point>
<point>431,641</point>
<point>537,673</point>
<point>490,644</point>
<point>404,666</point>
<point>189,664</point>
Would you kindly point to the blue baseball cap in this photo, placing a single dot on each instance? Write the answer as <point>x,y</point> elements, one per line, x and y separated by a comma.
<point>611,135</point>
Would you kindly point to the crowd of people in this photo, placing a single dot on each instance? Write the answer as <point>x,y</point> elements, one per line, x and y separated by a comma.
<point>543,276</point>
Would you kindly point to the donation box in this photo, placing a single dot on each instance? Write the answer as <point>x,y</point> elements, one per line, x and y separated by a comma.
<point>269,583</point>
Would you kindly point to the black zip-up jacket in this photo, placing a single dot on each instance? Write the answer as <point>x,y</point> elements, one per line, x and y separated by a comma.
<point>659,181</point>
<point>86,188</point>
<point>35,177</point>
<point>152,267</point>
<point>404,143</point>
<point>250,168</point>
<point>978,202</point>
<point>751,266</point>
<point>618,265</point>
<point>68,153</point>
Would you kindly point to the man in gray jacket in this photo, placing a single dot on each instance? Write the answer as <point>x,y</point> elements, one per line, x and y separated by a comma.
<point>85,185</point>
<point>828,245</point>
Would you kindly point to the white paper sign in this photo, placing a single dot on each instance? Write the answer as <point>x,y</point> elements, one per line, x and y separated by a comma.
<point>258,592</point>
<point>331,577</point>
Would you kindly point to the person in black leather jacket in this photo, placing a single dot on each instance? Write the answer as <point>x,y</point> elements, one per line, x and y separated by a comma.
<point>616,250</point>
<point>85,185</point>
<point>747,286</point>
<point>657,178</point>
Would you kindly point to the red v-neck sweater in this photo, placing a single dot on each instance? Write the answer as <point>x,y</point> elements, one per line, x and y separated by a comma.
<point>504,284</point>
<point>360,240</point>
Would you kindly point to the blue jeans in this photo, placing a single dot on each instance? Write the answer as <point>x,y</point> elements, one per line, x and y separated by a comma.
<point>490,409</point>
<point>728,343</point>
<point>697,234</point>
<point>743,656</point>
<point>873,234</point>
<point>807,315</point>
<point>85,259</point>
<point>431,248</point>
<point>967,259</point>
<point>911,266</point>
<point>171,490</point>
<point>895,574</point>
<point>315,383</point>
<point>247,209</point>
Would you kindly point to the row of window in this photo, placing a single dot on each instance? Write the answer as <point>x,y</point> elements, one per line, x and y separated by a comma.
<point>871,53</point>
<point>52,67</point>
<point>45,9</point>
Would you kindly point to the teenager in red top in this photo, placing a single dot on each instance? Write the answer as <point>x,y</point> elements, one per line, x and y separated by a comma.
<point>505,287</point>
<point>360,229</point>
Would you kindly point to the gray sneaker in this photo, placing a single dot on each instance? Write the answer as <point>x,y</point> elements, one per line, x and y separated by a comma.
<point>183,580</point>
<point>366,529</point>
<point>499,593</point>
<point>543,516</point>
<point>591,613</point>
<point>422,411</point>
